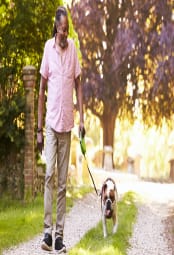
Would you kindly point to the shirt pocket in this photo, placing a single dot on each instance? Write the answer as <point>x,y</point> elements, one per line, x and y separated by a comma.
<point>54,69</point>
<point>69,68</point>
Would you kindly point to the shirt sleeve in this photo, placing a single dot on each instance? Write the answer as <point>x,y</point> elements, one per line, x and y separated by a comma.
<point>76,64</point>
<point>44,63</point>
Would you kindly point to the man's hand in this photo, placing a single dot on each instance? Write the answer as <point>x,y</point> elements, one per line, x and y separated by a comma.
<point>82,130</point>
<point>40,141</point>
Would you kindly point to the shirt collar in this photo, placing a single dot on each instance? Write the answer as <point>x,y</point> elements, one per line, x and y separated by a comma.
<point>54,42</point>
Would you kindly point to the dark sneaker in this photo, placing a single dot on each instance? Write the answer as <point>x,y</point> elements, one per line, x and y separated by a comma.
<point>59,246</point>
<point>47,242</point>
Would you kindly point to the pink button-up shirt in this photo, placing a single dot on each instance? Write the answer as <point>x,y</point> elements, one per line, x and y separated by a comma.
<point>61,72</point>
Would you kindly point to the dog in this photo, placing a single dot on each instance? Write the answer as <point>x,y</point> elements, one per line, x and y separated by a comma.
<point>109,198</point>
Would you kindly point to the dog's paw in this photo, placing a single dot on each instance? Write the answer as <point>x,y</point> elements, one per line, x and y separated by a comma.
<point>115,229</point>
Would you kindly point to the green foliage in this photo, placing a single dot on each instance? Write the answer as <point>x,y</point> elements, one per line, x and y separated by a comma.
<point>23,36</point>
<point>114,244</point>
<point>10,117</point>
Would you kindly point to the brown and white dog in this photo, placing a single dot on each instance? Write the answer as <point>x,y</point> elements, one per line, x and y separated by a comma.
<point>109,198</point>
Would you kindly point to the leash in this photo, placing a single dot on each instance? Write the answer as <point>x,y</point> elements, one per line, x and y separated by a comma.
<point>91,176</point>
<point>83,150</point>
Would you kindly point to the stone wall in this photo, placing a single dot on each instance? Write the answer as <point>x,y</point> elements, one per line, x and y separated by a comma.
<point>29,77</point>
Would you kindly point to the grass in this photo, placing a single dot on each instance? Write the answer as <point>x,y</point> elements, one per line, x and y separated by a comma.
<point>94,243</point>
<point>20,222</point>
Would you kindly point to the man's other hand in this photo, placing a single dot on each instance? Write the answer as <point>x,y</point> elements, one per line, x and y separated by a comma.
<point>40,141</point>
<point>82,130</point>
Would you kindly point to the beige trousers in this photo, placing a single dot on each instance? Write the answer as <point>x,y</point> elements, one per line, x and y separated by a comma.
<point>57,148</point>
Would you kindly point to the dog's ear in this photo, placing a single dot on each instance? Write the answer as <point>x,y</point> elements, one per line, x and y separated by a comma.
<point>112,194</point>
<point>104,187</point>
<point>116,193</point>
<point>114,184</point>
<point>115,188</point>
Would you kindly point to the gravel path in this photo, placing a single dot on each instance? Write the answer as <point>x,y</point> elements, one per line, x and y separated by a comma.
<point>151,233</point>
<point>169,231</point>
<point>75,227</point>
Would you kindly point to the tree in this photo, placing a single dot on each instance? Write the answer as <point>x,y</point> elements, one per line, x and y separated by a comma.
<point>119,41</point>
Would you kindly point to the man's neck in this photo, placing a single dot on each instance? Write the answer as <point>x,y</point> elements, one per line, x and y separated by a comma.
<point>59,48</point>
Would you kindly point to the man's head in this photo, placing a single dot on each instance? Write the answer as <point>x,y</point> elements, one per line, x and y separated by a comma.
<point>61,26</point>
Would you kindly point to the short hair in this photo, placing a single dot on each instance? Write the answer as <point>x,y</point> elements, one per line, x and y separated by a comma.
<point>61,10</point>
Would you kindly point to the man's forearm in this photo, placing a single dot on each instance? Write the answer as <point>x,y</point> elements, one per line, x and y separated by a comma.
<point>40,110</point>
<point>41,101</point>
<point>79,99</point>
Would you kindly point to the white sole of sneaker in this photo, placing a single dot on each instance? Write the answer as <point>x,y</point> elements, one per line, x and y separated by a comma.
<point>60,251</point>
<point>45,247</point>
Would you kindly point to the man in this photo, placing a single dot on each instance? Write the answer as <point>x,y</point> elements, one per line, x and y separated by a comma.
<point>60,70</point>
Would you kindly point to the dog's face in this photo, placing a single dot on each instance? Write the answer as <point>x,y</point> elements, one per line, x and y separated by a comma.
<point>108,198</point>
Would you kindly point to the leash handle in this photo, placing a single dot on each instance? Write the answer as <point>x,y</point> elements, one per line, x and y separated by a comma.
<point>82,144</point>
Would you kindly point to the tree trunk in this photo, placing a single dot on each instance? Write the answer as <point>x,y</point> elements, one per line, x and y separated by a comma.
<point>108,125</point>
<point>172,170</point>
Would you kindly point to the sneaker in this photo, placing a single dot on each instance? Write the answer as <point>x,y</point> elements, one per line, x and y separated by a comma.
<point>59,246</point>
<point>47,242</point>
